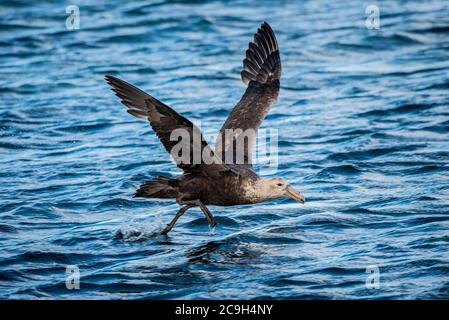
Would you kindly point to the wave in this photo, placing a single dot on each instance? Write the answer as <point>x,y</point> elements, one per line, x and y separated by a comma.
<point>362,127</point>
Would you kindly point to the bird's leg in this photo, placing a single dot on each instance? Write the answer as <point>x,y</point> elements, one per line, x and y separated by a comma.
<point>210,218</point>
<point>178,215</point>
<point>192,203</point>
<point>207,213</point>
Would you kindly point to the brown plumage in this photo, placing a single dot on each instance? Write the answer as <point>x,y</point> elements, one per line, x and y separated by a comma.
<point>221,179</point>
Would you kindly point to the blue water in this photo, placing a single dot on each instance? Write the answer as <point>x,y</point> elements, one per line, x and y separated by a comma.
<point>363,124</point>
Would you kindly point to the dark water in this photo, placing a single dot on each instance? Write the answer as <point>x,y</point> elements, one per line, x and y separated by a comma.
<point>363,124</point>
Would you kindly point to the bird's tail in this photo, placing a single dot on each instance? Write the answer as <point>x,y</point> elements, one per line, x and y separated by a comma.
<point>160,187</point>
<point>262,63</point>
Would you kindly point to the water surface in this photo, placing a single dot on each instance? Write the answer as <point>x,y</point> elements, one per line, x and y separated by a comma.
<point>363,127</point>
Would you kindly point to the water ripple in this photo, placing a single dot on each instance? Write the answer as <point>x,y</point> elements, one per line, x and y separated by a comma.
<point>363,131</point>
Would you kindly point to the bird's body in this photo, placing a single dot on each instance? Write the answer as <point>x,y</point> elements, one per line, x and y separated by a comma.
<point>223,176</point>
<point>229,190</point>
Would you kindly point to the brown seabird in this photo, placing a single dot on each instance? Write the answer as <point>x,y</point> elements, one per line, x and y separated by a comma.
<point>224,181</point>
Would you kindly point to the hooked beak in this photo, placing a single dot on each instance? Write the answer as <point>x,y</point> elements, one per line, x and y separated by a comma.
<point>295,195</point>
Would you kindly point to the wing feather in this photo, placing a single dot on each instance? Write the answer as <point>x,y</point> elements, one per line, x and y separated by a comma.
<point>261,72</point>
<point>164,121</point>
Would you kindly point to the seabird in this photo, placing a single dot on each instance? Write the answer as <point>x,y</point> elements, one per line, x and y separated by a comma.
<point>219,182</point>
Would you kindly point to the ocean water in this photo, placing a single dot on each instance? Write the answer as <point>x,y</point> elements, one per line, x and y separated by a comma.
<point>362,122</point>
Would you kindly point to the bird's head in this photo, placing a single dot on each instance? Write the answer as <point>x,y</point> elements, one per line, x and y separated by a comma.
<point>279,188</point>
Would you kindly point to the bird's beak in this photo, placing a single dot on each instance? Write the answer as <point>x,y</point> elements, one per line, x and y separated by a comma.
<point>295,195</point>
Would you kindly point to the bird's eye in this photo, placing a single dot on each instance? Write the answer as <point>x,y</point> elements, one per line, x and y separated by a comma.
<point>279,184</point>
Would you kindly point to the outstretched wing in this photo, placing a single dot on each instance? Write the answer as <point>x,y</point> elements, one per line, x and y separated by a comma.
<point>261,72</point>
<point>176,133</point>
